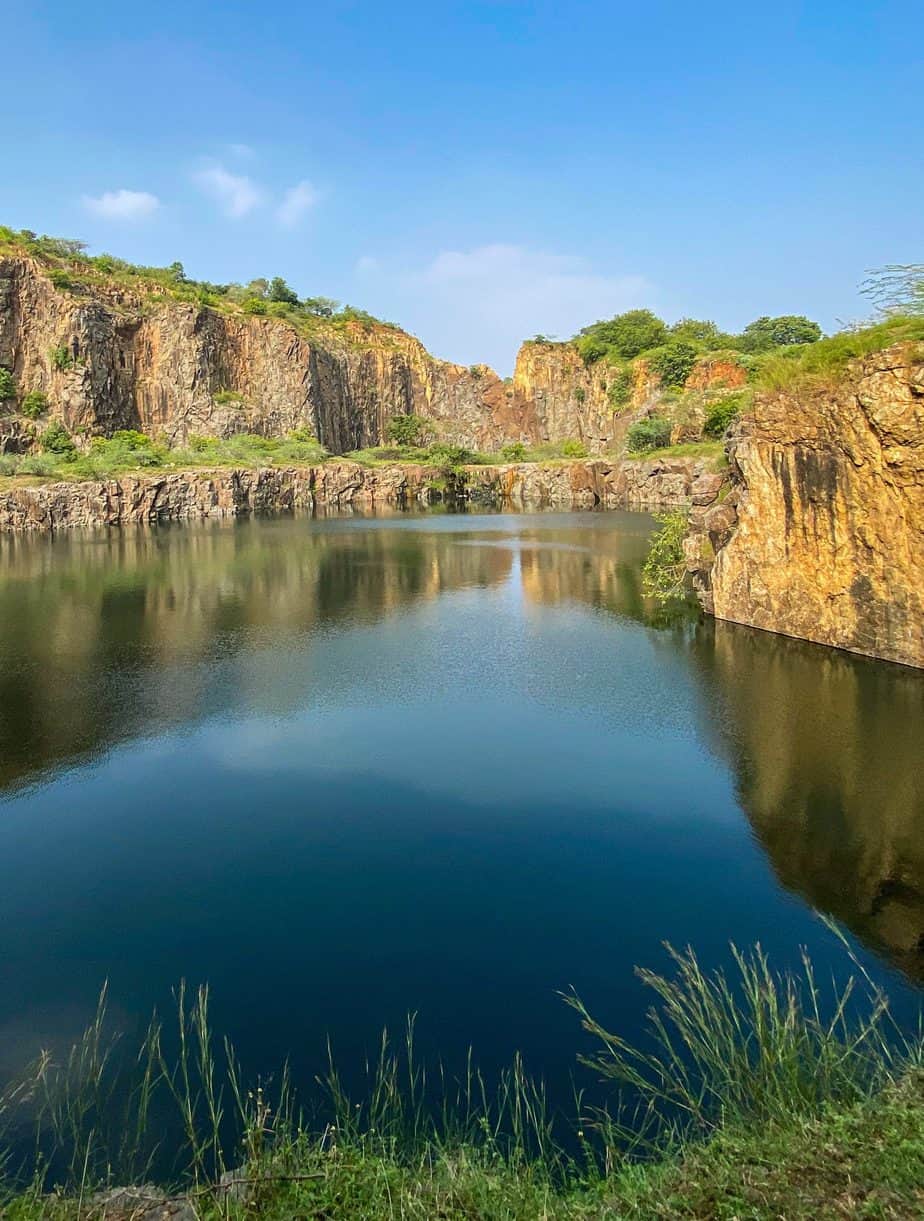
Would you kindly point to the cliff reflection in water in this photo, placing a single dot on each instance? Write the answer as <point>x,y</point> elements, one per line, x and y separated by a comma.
<point>827,750</point>
<point>108,637</point>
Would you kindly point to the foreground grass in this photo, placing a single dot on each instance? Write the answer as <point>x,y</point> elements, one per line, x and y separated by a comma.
<point>859,1161</point>
<point>756,1097</point>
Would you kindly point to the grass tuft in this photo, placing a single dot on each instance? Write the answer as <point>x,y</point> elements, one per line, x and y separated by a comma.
<point>756,1095</point>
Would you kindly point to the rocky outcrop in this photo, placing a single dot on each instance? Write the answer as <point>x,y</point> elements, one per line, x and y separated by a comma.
<point>108,357</point>
<point>555,396</point>
<point>822,533</point>
<point>339,484</point>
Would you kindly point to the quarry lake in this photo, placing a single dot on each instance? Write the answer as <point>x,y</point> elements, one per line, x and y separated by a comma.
<point>348,769</point>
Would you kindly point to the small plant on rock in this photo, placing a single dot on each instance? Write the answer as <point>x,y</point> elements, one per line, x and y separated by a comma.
<point>57,440</point>
<point>34,404</point>
<point>664,571</point>
<point>721,414</point>
<point>7,384</point>
<point>573,449</point>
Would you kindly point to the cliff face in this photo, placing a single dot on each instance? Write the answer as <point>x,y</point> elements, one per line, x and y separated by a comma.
<point>557,397</point>
<point>109,359</point>
<point>822,536</point>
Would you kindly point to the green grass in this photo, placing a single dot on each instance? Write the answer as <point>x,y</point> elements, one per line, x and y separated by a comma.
<point>824,363</point>
<point>712,451</point>
<point>760,1095</point>
<point>129,452</point>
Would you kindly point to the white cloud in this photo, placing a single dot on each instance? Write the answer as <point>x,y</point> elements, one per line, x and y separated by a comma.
<point>295,203</point>
<point>480,304</point>
<point>236,194</point>
<point>122,205</point>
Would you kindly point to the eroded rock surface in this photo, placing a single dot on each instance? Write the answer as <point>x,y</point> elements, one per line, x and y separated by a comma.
<point>822,534</point>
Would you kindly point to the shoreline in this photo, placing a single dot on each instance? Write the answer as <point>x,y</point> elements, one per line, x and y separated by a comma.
<point>642,484</point>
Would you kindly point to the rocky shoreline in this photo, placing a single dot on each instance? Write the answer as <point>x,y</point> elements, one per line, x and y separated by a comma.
<point>342,485</point>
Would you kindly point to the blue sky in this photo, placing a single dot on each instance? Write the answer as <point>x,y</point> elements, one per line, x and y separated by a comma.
<point>479,172</point>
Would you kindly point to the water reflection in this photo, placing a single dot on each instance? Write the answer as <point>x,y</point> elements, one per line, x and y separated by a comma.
<point>827,750</point>
<point>105,638</point>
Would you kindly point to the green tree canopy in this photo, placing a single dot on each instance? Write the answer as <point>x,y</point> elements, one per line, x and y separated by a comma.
<point>765,333</point>
<point>280,291</point>
<point>674,362</point>
<point>629,334</point>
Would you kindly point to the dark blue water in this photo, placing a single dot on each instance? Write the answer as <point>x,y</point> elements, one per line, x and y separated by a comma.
<point>343,770</point>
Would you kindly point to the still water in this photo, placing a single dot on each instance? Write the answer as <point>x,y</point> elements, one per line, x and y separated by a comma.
<point>348,769</point>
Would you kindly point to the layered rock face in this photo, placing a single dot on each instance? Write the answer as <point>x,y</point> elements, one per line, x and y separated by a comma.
<point>822,535</point>
<point>337,485</point>
<point>110,359</point>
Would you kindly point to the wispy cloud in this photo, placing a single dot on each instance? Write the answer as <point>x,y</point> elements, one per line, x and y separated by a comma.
<point>122,204</point>
<point>295,203</point>
<point>479,304</point>
<point>236,194</point>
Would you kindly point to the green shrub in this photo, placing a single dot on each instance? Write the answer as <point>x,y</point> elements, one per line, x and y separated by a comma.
<point>619,391</point>
<point>254,305</point>
<point>57,440</point>
<point>573,449</point>
<point>664,571</point>
<point>303,435</point>
<point>674,362</point>
<point>515,451</point>
<point>721,414</point>
<point>61,357</point>
<point>7,384</point>
<point>406,429</point>
<point>222,397</point>
<point>580,394</point>
<point>654,432</point>
<point>450,456</point>
<point>201,445</point>
<point>34,404</point>
<point>60,278</point>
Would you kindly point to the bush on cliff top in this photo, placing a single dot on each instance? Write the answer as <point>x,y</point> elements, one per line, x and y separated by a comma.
<point>674,349</point>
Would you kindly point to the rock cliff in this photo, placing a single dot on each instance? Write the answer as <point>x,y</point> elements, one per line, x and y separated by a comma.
<point>110,355</point>
<point>108,358</point>
<point>822,533</point>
